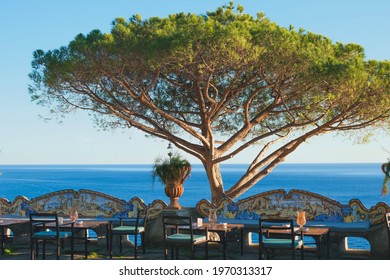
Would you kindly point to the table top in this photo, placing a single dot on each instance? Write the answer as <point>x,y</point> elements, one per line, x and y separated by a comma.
<point>82,224</point>
<point>220,227</point>
<point>309,231</point>
<point>8,221</point>
<point>66,223</point>
<point>76,225</point>
<point>315,231</point>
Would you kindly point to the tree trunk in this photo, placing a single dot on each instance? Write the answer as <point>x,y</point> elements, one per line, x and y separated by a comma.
<point>216,184</point>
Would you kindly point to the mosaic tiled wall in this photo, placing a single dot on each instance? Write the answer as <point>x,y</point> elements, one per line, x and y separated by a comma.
<point>280,204</point>
<point>87,203</point>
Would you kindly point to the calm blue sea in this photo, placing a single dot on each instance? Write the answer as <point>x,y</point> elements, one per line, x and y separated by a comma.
<point>340,182</point>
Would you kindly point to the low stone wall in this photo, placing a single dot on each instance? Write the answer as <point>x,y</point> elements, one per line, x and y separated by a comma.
<point>352,219</point>
<point>89,204</point>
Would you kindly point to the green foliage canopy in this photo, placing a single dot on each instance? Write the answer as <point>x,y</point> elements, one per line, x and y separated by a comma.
<point>192,78</point>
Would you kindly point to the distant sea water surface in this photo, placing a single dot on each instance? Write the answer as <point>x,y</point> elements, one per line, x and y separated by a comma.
<point>341,182</point>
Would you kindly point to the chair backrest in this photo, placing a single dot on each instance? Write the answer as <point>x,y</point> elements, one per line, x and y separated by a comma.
<point>388,221</point>
<point>388,232</point>
<point>42,221</point>
<point>281,227</point>
<point>177,224</point>
<point>138,221</point>
<point>143,217</point>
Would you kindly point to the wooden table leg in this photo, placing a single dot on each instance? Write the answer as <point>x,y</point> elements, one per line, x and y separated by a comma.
<point>2,240</point>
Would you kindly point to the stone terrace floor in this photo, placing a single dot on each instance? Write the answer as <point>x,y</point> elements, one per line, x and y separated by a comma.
<point>22,252</point>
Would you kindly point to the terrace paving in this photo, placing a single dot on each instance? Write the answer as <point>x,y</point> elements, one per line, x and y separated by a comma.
<point>22,252</point>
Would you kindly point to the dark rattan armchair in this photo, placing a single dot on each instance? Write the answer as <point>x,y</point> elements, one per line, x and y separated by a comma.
<point>178,232</point>
<point>44,228</point>
<point>129,226</point>
<point>388,232</point>
<point>279,234</point>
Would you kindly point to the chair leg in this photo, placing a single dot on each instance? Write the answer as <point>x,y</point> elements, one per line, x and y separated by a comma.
<point>192,251</point>
<point>293,254</point>
<point>135,245</point>
<point>110,245</point>
<point>143,242</point>
<point>389,249</point>
<point>120,244</point>
<point>58,243</point>
<point>37,248</point>
<point>206,248</point>
<point>107,237</point>
<point>37,244</point>
<point>388,235</point>
<point>44,250</point>
<point>166,251</point>
<point>72,247</point>
<point>32,246</point>
<point>260,252</point>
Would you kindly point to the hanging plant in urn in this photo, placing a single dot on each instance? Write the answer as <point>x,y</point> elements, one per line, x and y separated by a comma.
<point>172,172</point>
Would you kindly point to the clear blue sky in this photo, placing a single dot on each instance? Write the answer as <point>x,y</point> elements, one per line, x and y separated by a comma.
<point>27,25</point>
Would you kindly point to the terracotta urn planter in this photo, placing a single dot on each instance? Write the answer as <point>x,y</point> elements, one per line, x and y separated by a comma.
<point>174,191</point>
<point>172,172</point>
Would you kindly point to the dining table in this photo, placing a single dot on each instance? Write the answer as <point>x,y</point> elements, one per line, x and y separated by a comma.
<point>317,233</point>
<point>222,229</point>
<point>83,226</point>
